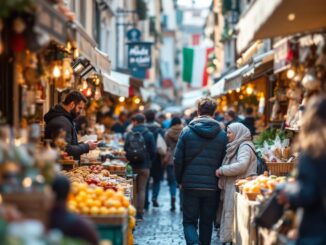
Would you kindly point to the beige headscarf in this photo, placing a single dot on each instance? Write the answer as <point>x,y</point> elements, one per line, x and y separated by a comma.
<point>242,134</point>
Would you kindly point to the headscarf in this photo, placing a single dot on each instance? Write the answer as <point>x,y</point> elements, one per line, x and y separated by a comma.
<point>242,134</point>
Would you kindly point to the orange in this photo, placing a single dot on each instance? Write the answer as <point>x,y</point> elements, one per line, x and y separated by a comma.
<point>121,210</point>
<point>89,202</point>
<point>103,211</point>
<point>131,210</point>
<point>99,191</point>
<point>94,210</point>
<point>97,203</point>
<point>112,210</point>
<point>109,193</point>
<point>85,210</point>
<point>111,203</point>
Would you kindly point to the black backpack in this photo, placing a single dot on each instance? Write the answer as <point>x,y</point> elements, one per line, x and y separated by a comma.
<point>261,164</point>
<point>136,148</point>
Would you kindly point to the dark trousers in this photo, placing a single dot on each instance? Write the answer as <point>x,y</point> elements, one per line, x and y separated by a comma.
<point>199,205</point>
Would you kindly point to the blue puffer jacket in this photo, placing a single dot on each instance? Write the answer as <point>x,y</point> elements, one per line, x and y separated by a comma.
<point>194,169</point>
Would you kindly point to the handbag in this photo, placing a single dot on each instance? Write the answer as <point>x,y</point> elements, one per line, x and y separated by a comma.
<point>270,212</point>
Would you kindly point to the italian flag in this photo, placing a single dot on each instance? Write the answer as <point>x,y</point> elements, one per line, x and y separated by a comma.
<point>194,66</point>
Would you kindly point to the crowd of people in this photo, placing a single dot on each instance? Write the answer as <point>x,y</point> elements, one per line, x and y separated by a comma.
<point>202,156</point>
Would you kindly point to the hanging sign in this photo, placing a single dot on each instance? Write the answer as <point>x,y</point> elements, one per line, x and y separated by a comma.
<point>139,55</point>
<point>134,35</point>
<point>281,51</point>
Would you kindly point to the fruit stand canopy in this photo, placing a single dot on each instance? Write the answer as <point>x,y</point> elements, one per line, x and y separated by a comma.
<point>266,19</point>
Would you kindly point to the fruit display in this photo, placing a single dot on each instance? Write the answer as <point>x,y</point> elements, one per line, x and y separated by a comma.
<point>99,176</point>
<point>94,201</point>
<point>253,186</point>
<point>114,165</point>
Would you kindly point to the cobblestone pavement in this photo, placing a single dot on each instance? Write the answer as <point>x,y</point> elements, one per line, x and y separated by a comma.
<point>161,226</point>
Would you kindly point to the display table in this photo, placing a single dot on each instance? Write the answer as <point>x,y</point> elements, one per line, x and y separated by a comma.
<point>245,232</point>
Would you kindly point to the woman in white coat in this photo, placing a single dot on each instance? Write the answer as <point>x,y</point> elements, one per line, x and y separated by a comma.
<point>240,162</point>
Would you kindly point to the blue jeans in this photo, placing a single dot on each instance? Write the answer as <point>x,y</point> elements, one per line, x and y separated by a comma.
<point>171,180</point>
<point>199,205</point>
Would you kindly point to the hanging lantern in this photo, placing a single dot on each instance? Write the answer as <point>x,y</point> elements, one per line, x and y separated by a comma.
<point>56,71</point>
<point>67,70</point>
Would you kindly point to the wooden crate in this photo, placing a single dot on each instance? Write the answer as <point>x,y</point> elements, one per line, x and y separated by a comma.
<point>109,219</point>
<point>280,168</point>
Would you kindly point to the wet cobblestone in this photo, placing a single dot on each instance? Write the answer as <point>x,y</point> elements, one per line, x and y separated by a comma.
<point>161,226</point>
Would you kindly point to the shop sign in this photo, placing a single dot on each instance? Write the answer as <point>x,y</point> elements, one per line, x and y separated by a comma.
<point>134,35</point>
<point>51,21</point>
<point>281,51</point>
<point>139,55</point>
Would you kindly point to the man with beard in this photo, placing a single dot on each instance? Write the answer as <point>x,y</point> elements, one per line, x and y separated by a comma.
<point>62,116</point>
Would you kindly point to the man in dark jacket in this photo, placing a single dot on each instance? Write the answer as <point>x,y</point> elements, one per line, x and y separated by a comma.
<point>62,117</point>
<point>157,169</point>
<point>231,117</point>
<point>142,169</point>
<point>249,121</point>
<point>199,153</point>
<point>69,224</point>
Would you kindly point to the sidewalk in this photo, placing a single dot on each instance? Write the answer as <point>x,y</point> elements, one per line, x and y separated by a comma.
<point>161,226</point>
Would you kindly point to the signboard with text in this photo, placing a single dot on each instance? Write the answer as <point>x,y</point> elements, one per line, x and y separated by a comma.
<point>139,55</point>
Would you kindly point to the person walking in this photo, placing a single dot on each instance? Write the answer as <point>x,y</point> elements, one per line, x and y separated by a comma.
<point>199,153</point>
<point>231,117</point>
<point>240,162</point>
<point>309,190</point>
<point>62,116</point>
<point>249,121</point>
<point>171,138</point>
<point>140,151</point>
<point>157,169</point>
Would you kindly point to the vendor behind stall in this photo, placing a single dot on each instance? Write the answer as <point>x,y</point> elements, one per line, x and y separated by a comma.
<point>69,224</point>
<point>62,116</point>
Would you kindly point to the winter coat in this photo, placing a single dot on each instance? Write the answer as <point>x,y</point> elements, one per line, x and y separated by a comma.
<point>202,133</point>
<point>310,195</point>
<point>72,225</point>
<point>249,122</point>
<point>243,164</point>
<point>171,138</point>
<point>150,146</point>
<point>58,118</point>
<point>157,168</point>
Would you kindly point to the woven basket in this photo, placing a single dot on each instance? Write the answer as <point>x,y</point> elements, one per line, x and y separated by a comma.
<point>280,168</point>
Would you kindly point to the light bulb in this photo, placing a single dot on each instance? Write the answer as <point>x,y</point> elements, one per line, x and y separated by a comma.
<point>238,90</point>
<point>67,73</point>
<point>137,100</point>
<point>122,99</point>
<point>249,90</point>
<point>56,73</point>
<point>89,92</point>
<point>290,74</point>
<point>141,108</point>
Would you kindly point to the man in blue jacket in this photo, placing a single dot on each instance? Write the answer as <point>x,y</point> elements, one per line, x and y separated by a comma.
<point>199,153</point>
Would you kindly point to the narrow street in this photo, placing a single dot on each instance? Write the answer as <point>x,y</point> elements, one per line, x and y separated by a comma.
<point>161,226</point>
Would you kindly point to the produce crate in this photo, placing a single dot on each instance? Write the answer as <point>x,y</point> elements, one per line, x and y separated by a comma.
<point>280,168</point>
<point>33,205</point>
<point>113,228</point>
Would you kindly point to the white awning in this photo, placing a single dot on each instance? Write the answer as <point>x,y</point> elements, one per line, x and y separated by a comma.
<point>266,19</point>
<point>189,99</point>
<point>116,83</point>
<point>218,88</point>
<point>233,80</point>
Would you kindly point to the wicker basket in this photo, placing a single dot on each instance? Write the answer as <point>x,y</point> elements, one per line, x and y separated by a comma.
<point>280,168</point>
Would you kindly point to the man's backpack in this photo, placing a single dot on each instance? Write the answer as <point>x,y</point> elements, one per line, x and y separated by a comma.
<point>136,148</point>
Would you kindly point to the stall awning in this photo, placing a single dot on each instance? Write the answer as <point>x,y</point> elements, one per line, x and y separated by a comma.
<point>116,83</point>
<point>86,44</point>
<point>189,99</point>
<point>102,61</point>
<point>218,88</point>
<point>266,19</point>
<point>233,80</point>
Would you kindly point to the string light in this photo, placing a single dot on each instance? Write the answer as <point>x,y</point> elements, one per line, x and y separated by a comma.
<point>249,90</point>
<point>290,74</point>
<point>122,99</point>
<point>137,100</point>
<point>141,108</point>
